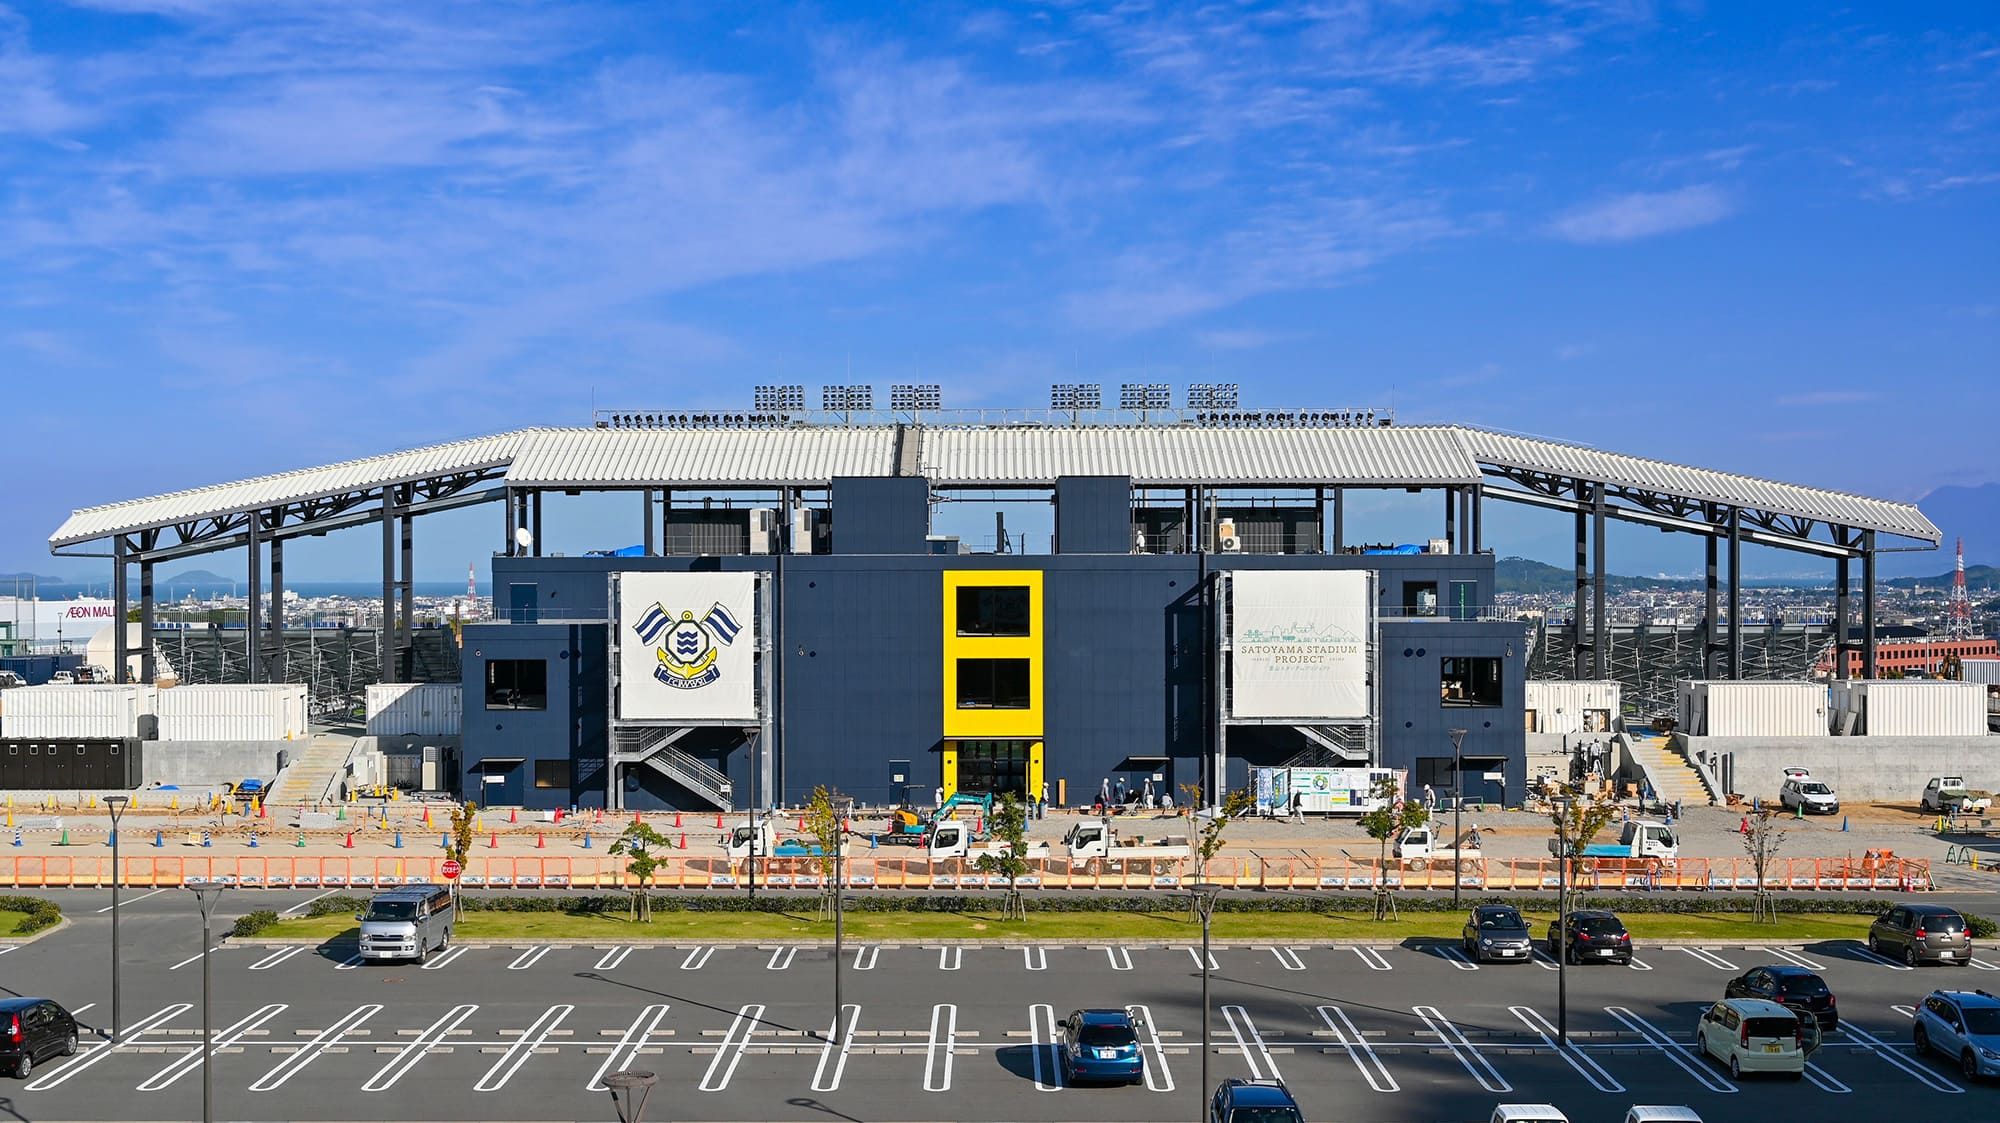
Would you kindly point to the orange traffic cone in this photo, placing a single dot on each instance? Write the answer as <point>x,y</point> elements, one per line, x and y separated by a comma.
<point>677,818</point>
<point>350,840</point>
<point>802,824</point>
<point>541,841</point>
<point>600,816</point>
<point>493,841</point>
<point>718,820</point>
<point>427,816</point>
<point>260,809</point>
<point>513,815</point>
<point>684,840</point>
<point>635,818</point>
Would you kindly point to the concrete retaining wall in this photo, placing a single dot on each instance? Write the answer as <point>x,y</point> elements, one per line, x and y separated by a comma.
<point>205,763</point>
<point>1891,769</point>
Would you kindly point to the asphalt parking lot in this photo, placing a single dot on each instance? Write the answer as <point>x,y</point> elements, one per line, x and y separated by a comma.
<point>1390,1032</point>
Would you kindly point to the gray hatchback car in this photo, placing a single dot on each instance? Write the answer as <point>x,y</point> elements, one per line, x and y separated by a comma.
<point>1497,932</point>
<point>1922,934</point>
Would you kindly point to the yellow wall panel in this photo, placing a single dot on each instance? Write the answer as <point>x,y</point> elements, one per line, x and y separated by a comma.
<point>988,723</point>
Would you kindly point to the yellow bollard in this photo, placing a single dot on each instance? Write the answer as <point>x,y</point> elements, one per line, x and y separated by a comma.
<point>10,817</point>
<point>92,802</point>
<point>176,806</point>
<point>399,869</point>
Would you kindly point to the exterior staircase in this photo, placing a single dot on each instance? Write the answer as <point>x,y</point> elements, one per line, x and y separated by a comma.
<point>312,773</point>
<point>1672,776</point>
<point>654,747</point>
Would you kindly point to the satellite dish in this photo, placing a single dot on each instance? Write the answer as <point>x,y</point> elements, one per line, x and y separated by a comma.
<point>522,538</point>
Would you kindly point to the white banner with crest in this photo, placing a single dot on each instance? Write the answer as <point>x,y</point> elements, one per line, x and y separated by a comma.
<point>687,647</point>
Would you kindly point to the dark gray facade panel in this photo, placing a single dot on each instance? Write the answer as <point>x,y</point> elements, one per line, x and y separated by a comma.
<point>881,516</point>
<point>1094,515</point>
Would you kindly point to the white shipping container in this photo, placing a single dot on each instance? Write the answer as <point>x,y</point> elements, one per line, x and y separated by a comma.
<point>1983,670</point>
<point>415,709</point>
<point>75,711</point>
<point>1913,708</point>
<point>1572,707</point>
<point>233,712</point>
<point>1721,708</point>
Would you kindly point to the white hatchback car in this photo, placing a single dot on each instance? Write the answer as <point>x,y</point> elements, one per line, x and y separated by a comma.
<point>1753,1035</point>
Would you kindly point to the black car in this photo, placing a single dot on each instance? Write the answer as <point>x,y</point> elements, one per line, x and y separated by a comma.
<point>31,1031</point>
<point>1595,935</point>
<point>1794,987</point>
<point>1253,1101</point>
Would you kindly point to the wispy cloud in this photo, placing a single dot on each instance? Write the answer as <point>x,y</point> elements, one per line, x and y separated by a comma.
<point>1644,214</point>
<point>1238,339</point>
<point>1570,352</point>
<point>1829,398</point>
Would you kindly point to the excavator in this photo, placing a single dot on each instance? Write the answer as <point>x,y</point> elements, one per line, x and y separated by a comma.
<point>909,826</point>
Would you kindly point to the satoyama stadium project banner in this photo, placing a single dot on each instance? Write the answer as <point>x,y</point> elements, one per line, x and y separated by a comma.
<point>687,647</point>
<point>1298,645</point>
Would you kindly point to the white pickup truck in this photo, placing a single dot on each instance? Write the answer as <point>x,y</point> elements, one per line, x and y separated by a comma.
<point>1949,795</point>
<point>1418,847</point>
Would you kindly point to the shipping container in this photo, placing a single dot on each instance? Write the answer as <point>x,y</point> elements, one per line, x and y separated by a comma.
<point>1721,708</point>
<point>415,709</point>
<point>1571,707</point>
<point>91,764</point>
<point>1910,708</point>
<point>233,712</point>
<point>77,712</point>
<point>37,670</point>
<point>1983,670</point>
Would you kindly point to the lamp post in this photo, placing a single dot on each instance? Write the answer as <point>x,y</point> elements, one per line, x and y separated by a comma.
<point>116,805</point>
<point>1204,903</point>
<point>839,895</point>
<point>1457,809</point>
<point>629,1092</point>
<point>1561,951</point>
<point>205,897</point>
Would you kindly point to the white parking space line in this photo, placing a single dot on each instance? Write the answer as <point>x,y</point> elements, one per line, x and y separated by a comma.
<point>1790,956</point>
<point>1825,1081</point>
<point>195,958</point>
<point>311,1051</point>
<point>864,957</point>
<point>1358,1049</point>
<point>1374,958</point>
<point>1906,1011</point>
<point>420,1046</point>
<point>1867,956</point>
<point>1985,966</point>
<point>1152,1052</point>
<point>1467,1053</point>
<point>349,964</point>
<point>781,958</point>
<point>612,959</point>
<point>532,1038</point>
<point>1674,1051</point>
<point>1585,1067</point>
<point>950,958</point>
<point>1121,958</point>
<point>188,1062</point>
<point>103,1049</point>
<point>1709,957</point>
<point>445,960</point>
<point>300,907</point>
<point>937,1054</point>
<point>1890,1053</point>
<point>730,1052</point>
<point>132,901</point>
<point>698,958</point>
<point>1638,964</point>
<point>10,949</point>
<point>1240,1023</point>
<point>275,958</point>
<point>1289,959</point>
<point>1044,1056</point>
<point>1455,957</point>
<point>1035,958</point>
<point>824,1081</point>
<point>528,958</point>
<point>626,1052</point>
<point>1544,960</point>
<point>1195,954</point>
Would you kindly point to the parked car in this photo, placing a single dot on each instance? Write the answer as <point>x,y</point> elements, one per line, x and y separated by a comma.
<point>9,680</point>
<point>1753,1035</point>
<point>1253,1101</point>
<point>1922,933</point>
<point>1809,796</point>
<point>32,1030</point>
<point>1660,1113</point>
<point>1101,1045</point>
<point>1790,986</point>
<point>1962,1025</point>
<point>1497,932</point>
<point>62,678</point>
<point>1594,935</point>
<point>1527,1113</point>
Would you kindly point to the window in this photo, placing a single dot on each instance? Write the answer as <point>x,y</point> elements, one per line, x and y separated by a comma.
<point>992,684</point>
<point>1420,598</point>
<point>993,767</point>
<point>552,774</point>
<point>517,684</point>
<point>992,610</point>
<point>1471,681</point>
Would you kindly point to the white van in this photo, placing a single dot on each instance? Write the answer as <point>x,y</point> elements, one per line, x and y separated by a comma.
<point>407,923</point>
<point>1528,1113</point>
<point>1660,1113</point>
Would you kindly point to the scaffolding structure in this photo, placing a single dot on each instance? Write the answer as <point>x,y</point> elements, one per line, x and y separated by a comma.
<point>1648,661</point>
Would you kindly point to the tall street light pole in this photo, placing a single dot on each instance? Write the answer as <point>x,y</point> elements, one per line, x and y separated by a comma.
<point>1457,809</point>
<point>839,893</point>
<point>116,804</point>
<point>1561,950</point>
<point>1204,902</point>
<point>205,897</point>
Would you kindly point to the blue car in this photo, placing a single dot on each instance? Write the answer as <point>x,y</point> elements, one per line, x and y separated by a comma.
<point>1964,1026</point>
<point>1100,1045</point>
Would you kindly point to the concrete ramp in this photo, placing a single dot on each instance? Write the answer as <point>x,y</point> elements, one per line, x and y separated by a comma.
<point>1673,777</point>
<point>314,771</point>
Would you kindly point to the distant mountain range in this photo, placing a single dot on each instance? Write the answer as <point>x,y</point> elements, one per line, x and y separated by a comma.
<point>1521,575</point>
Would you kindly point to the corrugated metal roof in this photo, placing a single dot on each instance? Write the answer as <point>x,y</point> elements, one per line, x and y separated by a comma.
<point>93,523</point>
<point>700,457</point>
<point>1727,488</point>
<point>1178,457</point>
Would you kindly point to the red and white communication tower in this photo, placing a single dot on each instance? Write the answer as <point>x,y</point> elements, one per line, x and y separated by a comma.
<point>1958,607</point>
<point>472,575</point>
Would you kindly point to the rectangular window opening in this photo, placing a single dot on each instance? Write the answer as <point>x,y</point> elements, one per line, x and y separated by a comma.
<point>992,684</point>
<point>1470,681</point>
<point>992,610</point>
<point>517,684</point>
<point>552,774</point>
<point>1420,598</point>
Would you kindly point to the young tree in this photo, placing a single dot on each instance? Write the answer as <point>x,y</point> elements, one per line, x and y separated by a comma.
<point>824,828</point>
<point>1009,828</point>
<point>458,844</point>
<point>1762,841</point>
<point>1577,823</point>
<point>1391,816</point>
<point>1208,839</point>
<point>641,842</point>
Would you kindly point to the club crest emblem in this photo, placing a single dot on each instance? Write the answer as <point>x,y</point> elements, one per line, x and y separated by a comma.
<point>686,648</point>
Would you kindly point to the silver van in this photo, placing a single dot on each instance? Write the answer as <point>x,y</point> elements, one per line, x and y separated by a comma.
<point>407,923</point>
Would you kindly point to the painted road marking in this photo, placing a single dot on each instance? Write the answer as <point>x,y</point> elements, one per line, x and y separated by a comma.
<point>195,958</point>
<point>1374,958</point>
<point>781,958</point>
<point>1289,957</point>
<point>1358,1049</point>
<point>1195,954</point>
<point>1712,959</point>
<point>1152,1053</point>
<point>133,901</point>
<point>1467,1053</point>
<point>730,1053</point>
<point>10,949</point>
<point>864,957</point>
<point>1230,1014</point>
<point>1121,958</point>
<point>528,958</point>
<point>629,1044</point>
<point>308,1053</point>
<point>698,958</point>
<point>824,1081</point>
<point>1671,1049</point>
<point>1045,1046</point>
<point>1035,958</point>
<point>950,958</point>
<point>104,1049</point>
<point>275,958</point>
<point>1638,964</point>
<point>1544,960</point>
<point>1867,955</point>
<point>937,1055</point>
<point>188,1062</point>
<point>531,1039</point>
<point>1455,957</point>
<point>1889,1053</point>
<point>612,959</point>
<point>445,960</point>
<point>1906,1011</point>
<point>433,1035</point>
<point>349,964</point>
<point>302,904</point>
<point>1790,956</point>
<point>1985,966</point>
<point>1584,1066</point>
<point>1826,1082</point>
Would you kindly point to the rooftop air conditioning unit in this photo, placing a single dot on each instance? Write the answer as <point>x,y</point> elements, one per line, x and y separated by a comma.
<point>1439,546</point>
<point>1226,539</point>
<point>763,530</point>
<point>805,520</point>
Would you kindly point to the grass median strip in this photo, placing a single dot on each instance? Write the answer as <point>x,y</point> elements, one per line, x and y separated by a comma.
<point>1171,926</point>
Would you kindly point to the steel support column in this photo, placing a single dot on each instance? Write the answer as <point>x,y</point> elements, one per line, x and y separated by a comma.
<point>253,606</point>
<point>1339,520</point>
<point>535,497</point>
<point>1710,632</point>
<point>119,640</point>
<point>1735,593</point>
<point>1478,518</point>
<point>148,671</point>
<point>1842,665</point>
<point>1451,520</point>
<point>1578,642</point>
<point>647,521</point>
<point>510,518</point>
<point>1600,643</point>
<point>1868,604</point>
<point>1319,517</point>
<point>385,646</point>
<point>276,657</point>
<point>406,638</point>
<point>666,521</point>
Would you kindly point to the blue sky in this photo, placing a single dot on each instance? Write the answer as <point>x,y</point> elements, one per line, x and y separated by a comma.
<point>242,236</point>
